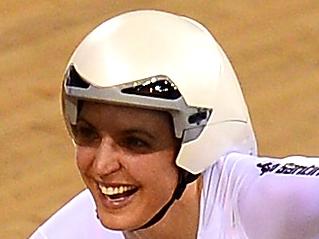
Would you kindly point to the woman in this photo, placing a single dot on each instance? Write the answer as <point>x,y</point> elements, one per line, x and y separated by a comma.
<point>165,145</point>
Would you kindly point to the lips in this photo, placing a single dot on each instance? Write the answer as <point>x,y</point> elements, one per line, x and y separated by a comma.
<point>116,196</point>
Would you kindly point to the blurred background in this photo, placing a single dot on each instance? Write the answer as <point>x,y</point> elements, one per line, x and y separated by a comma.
<point>273,45</point>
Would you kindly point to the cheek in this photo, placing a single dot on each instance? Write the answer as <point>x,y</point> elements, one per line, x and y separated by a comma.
<point>84,158</point>
<point>157,171</point>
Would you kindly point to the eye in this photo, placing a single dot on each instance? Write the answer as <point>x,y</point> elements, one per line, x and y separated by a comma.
<point>136,144</point>
<point>85,134</point>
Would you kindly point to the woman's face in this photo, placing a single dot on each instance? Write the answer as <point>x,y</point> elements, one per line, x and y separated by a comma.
<point>126,157</point>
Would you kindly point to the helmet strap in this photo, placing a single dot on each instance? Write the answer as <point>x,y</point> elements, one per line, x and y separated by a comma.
<point>184,178</point>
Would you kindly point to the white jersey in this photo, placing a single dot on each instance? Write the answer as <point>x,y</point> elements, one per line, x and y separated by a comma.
<point>243,197</point>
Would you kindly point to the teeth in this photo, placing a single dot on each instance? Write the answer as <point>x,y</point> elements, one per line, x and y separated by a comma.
<point>109,191</point>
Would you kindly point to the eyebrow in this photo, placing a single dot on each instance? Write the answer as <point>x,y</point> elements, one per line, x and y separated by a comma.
<point>134,130</point>
<point>140,131</point>
<point>85,121</point>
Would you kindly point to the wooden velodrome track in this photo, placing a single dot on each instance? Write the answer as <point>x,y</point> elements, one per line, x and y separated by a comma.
<point>273,45</point>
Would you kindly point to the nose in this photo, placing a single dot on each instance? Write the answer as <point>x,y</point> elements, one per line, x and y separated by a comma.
<point>107,157</point>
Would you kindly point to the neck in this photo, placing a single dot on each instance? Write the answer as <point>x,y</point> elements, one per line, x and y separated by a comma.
<point>183,212</point>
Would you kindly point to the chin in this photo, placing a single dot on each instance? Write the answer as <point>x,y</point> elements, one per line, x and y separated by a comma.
<point>120,222</point>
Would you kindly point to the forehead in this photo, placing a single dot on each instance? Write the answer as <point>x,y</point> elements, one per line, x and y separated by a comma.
<point>101,113</point>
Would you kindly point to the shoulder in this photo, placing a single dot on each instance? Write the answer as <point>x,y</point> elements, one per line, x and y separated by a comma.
<point>76,219</point>
<point>298,166</point>
<point>280,197</point>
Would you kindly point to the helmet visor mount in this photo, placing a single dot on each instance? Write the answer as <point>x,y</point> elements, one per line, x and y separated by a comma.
<point>157,93</point>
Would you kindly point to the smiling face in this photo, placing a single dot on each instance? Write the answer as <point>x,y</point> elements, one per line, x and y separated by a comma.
<point>126,157</point>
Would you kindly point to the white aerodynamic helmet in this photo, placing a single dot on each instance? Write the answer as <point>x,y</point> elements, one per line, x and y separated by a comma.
<point>162,61</point>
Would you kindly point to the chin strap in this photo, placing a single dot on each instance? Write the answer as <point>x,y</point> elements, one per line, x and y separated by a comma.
<point>184,178</point>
